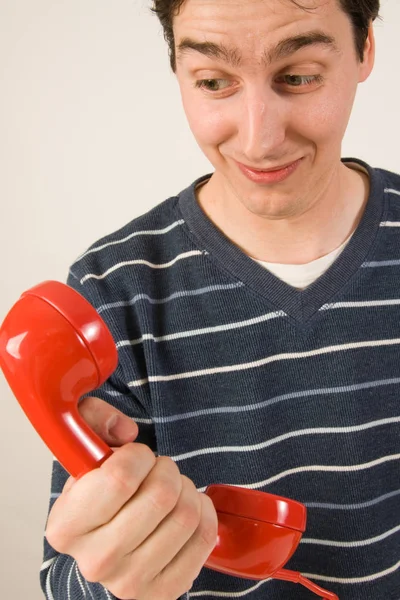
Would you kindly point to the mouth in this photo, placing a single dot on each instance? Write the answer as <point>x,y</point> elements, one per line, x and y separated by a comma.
<point>270,169</point>
<point>271,175</point>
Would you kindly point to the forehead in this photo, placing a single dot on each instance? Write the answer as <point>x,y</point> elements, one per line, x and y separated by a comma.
<point>192,10</point>
<point>243,27</point>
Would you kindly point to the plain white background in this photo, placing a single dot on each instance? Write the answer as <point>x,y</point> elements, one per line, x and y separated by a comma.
<point>92,134</point>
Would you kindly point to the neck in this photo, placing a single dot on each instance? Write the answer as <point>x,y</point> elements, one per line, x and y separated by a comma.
<point>323,225</point>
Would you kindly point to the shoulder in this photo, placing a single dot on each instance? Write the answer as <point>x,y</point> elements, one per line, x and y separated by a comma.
<point>391,188</point>
<point>163,216</point>
<point>385,184</point>
<point>390,178</point>
<point>139,234</point>
<point>134,257</point>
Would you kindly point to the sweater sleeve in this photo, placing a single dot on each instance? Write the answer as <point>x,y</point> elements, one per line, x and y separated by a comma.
<point>60,578</point>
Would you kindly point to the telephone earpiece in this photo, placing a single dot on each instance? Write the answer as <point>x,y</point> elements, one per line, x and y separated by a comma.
<point>54,348</point>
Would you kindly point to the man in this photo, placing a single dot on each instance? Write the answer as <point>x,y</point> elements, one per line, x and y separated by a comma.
<point>256,317</point>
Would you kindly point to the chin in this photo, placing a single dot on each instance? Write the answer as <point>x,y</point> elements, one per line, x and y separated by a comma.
<point>269,203</point>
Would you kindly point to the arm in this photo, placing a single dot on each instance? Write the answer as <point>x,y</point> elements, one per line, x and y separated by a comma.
<point>134,526</point>
<point>60,577</point>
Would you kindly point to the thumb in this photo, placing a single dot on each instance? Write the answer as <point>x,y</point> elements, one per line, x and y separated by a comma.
<point>110,424</point>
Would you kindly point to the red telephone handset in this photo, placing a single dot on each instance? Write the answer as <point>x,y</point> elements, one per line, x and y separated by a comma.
<point>54,348</point>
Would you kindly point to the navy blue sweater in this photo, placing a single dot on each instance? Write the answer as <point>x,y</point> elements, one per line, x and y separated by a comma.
<point>244,380</point>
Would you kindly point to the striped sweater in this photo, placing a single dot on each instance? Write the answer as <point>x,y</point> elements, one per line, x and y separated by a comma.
<point>244,380</point>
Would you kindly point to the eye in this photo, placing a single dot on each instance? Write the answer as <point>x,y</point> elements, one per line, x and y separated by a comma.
<point>301,80</point>
<point>209,84</point>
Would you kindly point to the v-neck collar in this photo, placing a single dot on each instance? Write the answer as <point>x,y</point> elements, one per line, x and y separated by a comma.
<point>299,304</point>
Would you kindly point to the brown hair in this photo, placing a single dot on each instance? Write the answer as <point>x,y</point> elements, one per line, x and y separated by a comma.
<point>360,12</point>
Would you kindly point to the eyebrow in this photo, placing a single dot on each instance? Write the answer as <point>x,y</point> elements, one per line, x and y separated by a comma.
<point>285,48</point>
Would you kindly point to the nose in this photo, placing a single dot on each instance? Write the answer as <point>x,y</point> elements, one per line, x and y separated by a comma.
<point>262,127</point>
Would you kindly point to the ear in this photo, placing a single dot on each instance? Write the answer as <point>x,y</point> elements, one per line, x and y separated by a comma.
<point>367,65</point>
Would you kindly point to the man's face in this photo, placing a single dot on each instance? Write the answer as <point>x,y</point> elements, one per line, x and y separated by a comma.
<point>270,109</point>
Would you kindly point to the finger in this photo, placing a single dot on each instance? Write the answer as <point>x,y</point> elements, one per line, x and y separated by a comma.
<point>109,423</point>
<point>138,519</point>
<point>188,562</point>
<point>159,549</point>
<point>68,484</point>
<point>99,495</point>
<point>136,575</point>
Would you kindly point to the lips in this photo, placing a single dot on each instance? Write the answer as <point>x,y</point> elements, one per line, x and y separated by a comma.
<point>268,170</point>
<point>270,176</point>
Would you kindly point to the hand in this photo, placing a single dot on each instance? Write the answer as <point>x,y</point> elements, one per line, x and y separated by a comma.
<point>135,525</point>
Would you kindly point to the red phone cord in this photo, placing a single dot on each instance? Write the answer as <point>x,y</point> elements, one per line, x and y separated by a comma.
<point>297,577</point>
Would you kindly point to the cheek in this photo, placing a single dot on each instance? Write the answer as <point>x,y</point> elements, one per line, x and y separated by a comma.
<point>325,118</point>
<point>208,122</point>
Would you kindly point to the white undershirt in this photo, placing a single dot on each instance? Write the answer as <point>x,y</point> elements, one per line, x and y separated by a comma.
<point>301,276</point>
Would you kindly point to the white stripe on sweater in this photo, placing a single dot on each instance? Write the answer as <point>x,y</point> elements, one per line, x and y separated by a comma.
<point>141,262</point>
<point>206,330</point>
<point>47,563</point>
<point>89,589</point>
<point>135,234</point>
<point>69,581</point>
<point>360,304</point>
<point>175,296</point>
<point>354,544</point>
<point>286,436</point>
<point>391,191</point>
<point>343,580</point>
<point>265,361</point>
<point>248,323</point>
<point>350,580</point>
<point>316,468</point>
<point>354,506</point>
<point>381,263</point>
<point>107,593</point>
<point>79,579</point>
<point>230,594</point>
<point>338,389</point>
<point>390,224</point>
<point>49,592</point>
